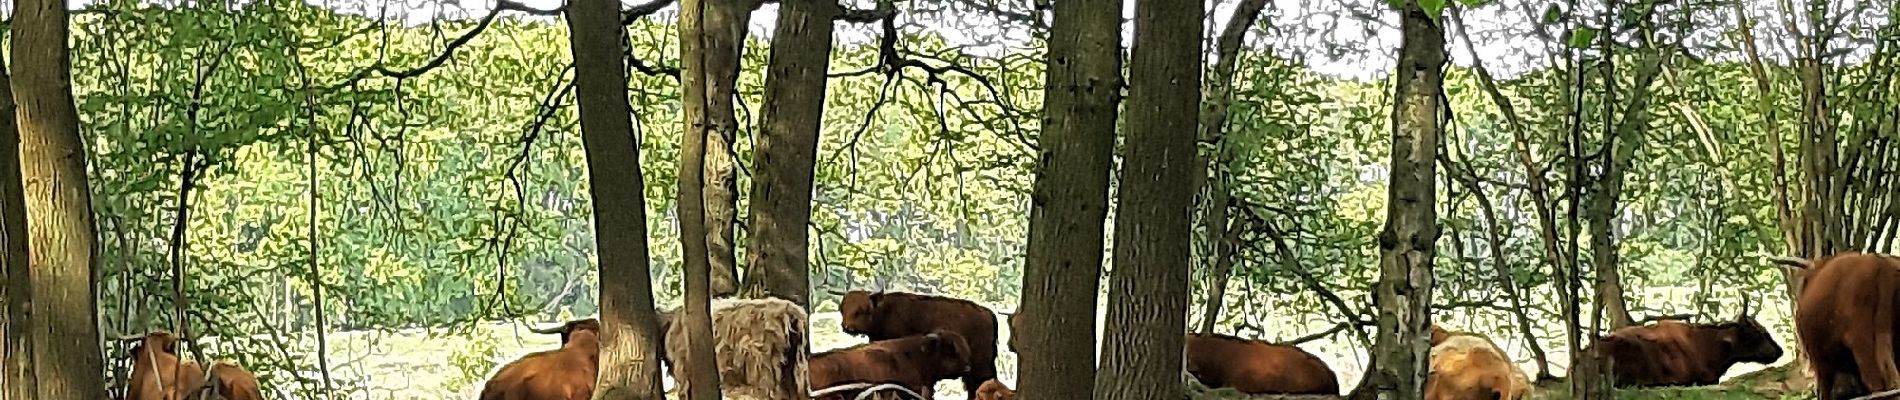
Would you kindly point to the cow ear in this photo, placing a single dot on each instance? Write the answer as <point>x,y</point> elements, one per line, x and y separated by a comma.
<point>134,352</point>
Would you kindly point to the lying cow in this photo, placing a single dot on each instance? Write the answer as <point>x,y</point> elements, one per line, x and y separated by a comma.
<point>159,374</point>
<point>1846,318</point>
<point>567,373</point>
<point>884,316</point>
<point>915,362</point>
<point>1257,367</point>
<point>994,390</point>
<point>1676,353</point>
<point>1470,367</point>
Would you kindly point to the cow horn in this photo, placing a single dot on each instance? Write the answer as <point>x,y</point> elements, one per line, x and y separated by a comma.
<point>1791,262</point>
<point>124,337</point>
<point>548,331</point>
<point>835,292</point>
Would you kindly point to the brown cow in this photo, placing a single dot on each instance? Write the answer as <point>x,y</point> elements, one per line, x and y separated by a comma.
<point>884,316</point>
<point>1256,367</point>
<point>563,374</point>
<point>1846,319</point>
<point>916,362</point>
<point>232,383</point>
<point>157,373</point>
<point>1470,367</point>
<point>1676,353</point>
<point>994,390</point>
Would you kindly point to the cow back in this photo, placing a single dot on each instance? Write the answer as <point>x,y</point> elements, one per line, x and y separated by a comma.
<point>1848,301</point>
<point>1472,368</point>
<point>1257,367</point>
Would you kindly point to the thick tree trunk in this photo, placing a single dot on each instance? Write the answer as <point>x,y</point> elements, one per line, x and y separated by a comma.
<point>1407,245</point>
<point>13,257</point>
<point>1147,300</point>
<point>630,337</point>
<point>1069,204</point>
<point>724,35</point>
<point>1220,89</point>
<point>777,249</point>
<point>65,360</point>
<point>699,52</point>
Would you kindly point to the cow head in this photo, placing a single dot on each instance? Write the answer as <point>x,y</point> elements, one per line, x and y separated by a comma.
<point>160,341</point>
<point>1747,341</point>
<point>948,351</point>
<point>859,311</point>
<point>589,328</point>
<point>1439,335</point>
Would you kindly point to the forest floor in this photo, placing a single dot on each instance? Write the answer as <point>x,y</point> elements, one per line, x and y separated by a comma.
<point>422,365</point>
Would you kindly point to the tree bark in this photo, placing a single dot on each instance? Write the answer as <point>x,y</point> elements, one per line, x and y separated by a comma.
<point>1062,268</point>
<point>64,360</point>
<point>13,253</point>
<point>630,336</point>
<point>1147,303</point>
<point>1626,136</point>
<point>1220,90</point>
<point>777,248</point>
<point>724,36</point>
<point>1407,244</point>
<point>699,51</point>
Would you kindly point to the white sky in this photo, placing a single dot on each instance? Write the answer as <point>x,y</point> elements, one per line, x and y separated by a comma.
<point>1333,39</point>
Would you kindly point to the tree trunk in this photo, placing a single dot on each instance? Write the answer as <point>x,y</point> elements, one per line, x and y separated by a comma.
<point>699,51</point>
<point>724,37</point>
<point>1219,96</point>
<point>777,249</point>
<point>65,361</point>
<point>1625,137</point>
<point>13,257</point>
<point>1407,245</point>
<point>1148,289</point>
<point>1062,269</point>
<point>630,336</point>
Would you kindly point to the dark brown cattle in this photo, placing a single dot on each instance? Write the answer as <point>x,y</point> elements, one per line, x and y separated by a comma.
<point>157,373</point>
<point>884,316</point>
<point>994,390</point>
<point>917,362</point>
<point>1470,367</point>
<point>1846,320</point>
<point>1256,367</point>
<point>231,382</point>
<point>1675,353</point>
<point>564,374</point>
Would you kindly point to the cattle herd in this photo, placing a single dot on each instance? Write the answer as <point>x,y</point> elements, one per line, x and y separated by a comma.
<point>1845,316</point>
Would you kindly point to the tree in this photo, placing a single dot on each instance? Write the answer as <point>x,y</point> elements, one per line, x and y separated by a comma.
<point>699,52</point>
<point>60,359</point>
<point>778,247</point>
<point>1062,267</point>
<point>724,39</point>
<point>1407,245</point>
<point>630,337</point>
<point>1220,94</point>
<point>1148,289</point>
<point>13,250</point>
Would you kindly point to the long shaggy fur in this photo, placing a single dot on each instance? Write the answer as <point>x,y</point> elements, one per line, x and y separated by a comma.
<point>760,347</point>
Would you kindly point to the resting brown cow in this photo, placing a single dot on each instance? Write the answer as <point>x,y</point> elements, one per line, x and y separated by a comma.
<point>882,316</point>
<point>1675,353</point>
<point>1846,320</point>
<point>1469,367</point>
<point>1256,367</point>
<point>916,362</point>
<point>563,374</point>
<point>994,390</point>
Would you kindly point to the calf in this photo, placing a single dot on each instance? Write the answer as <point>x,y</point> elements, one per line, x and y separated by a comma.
<point>1256,367</point>
<point>915,362</point>
<point>884,316</point>
<point>1846,320</point>
<point>1469,367</point>
<point>563,374</point>
<point>1675,353</point>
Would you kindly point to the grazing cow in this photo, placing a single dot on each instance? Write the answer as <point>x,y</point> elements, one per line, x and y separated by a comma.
<point>994,390</point>
<point>915,362</point>
<point>1470,367</point>
<point>1256,367</point>
<point>1845,316</point>
<point>884,316</point>
<point>1676,353</point>
<point>157,373</point>
<point>563,374</point>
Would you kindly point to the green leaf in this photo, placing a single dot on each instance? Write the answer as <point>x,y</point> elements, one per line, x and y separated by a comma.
<point>1473,3</point>
<point>1434,8</point>
<point>1582,36</point>
<point>1552,14</point>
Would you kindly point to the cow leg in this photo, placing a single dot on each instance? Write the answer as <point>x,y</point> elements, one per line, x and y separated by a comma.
<point>1823,380</point>
<point>1874,356</point>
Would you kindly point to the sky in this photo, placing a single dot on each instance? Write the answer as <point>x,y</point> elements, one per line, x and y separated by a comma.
<point>1338,37</point>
